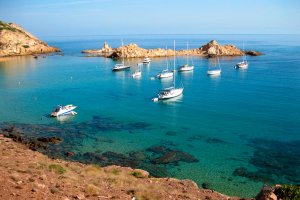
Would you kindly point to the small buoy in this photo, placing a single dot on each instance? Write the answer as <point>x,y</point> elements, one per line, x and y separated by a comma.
<point>152,78</point>
<point>155,99</point>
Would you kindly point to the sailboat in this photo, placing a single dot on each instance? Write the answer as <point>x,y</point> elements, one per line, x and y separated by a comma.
<point>216,69</point>
<point>138,72</point>
<point>170,92</point>
<point>244,63</point>
<point>186,67</point>
<point>121,66</point>
<point>165,73</point>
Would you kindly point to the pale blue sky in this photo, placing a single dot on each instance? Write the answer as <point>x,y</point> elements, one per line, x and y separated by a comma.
<point>103,17</point>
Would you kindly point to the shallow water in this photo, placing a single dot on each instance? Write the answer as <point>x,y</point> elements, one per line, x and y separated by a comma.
<point>242,127</point>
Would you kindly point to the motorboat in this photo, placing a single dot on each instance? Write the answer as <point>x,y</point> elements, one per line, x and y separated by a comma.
<point>186,67</point>
<point>170,92</point>
<point>63,110</point>
<point>146,60</point>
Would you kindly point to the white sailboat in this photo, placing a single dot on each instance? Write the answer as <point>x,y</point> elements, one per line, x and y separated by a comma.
<point>186,67</point>
<point>244,63</point>
<point>146,60</point>
<point>121,66</point>
<point>138,72</point>
<point>216,69</point>
<point>166,73</point>
<point>170,92</point>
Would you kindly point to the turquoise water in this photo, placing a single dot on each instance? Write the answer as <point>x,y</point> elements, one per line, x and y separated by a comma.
<point>242,127</point>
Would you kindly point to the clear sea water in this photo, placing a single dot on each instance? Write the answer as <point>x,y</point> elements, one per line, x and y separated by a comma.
<point>243,126</point>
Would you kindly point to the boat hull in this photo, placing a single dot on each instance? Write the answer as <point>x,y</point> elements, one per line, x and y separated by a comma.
<point>241,65</point>
<point>120,68</point>
<point>65,111</point>
<point>173,93</point>
<point>213,72</point>
<point>186,68</point>
<point>165,75</point>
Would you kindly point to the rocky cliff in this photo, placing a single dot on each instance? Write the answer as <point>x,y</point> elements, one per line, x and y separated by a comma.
<point>134,51</point>
<point>14,40</point>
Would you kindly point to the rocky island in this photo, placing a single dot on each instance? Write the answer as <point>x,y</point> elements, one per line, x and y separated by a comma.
<point>134,51</point>
<point>15,41</point>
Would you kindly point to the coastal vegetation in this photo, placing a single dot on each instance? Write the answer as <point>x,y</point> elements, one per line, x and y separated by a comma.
<point>14,40</point>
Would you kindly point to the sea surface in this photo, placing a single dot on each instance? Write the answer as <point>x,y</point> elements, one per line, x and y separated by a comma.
<point>231,133</point>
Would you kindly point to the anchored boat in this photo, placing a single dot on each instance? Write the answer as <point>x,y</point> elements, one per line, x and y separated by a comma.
<point>170,92</point>
<point>121,66</point>
<point>64,110</point>
<point>186,67</point>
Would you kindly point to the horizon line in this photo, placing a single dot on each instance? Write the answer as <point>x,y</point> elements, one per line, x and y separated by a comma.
<point>139,34</point>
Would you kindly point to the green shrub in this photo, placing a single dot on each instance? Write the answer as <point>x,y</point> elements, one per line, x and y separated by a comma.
<point>137,174</point>
<point>26,46</point>
<point>57,169</point>
<point>288,192</point>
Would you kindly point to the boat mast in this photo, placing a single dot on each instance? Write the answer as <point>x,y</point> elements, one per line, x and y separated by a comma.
<point>167,58</point>
<point>122,53</point>
<point>174,65</point>
<point>187,53</point>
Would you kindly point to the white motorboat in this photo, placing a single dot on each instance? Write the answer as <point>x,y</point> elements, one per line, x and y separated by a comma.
<point>170,92</point>
<point>64,110</point>
<point>216,69</point>
<point>138,72</point>
<point>121,66</point>
<point>186,67</point>
<point>244,63</point>
<point>166,73</point>
<point>146,60</point>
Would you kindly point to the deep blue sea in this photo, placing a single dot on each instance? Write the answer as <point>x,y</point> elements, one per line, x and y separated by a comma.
<point>231,133</point>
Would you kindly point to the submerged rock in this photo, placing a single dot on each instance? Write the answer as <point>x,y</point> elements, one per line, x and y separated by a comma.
<point>54,140</point>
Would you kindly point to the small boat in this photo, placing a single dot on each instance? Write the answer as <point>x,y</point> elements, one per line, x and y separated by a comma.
<point>146,60</point>
<point>138,72</point>
<point>244,63</point>
<point>121,66</point>
<point>64,110</point>
<point>170,92</point>
<point>166,73</point>
<point>186,67</point>
<point>216,69</point>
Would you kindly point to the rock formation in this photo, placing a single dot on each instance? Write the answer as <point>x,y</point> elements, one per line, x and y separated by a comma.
<point>134,51</point>
<point>14,41</point>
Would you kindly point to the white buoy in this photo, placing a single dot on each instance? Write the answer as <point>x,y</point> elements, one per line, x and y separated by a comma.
<point>152,78</point>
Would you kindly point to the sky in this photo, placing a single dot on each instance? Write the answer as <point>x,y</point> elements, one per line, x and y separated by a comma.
<point>117,17</point>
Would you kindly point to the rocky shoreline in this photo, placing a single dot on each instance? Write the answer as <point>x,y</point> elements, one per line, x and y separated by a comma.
<point>15,41</point>
<point>27,173</point>
<point>134,51</point>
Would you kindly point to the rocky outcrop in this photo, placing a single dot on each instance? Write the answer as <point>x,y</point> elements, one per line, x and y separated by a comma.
<point>15,41</point>
<point>134,51</point>
<point>106,50</point>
